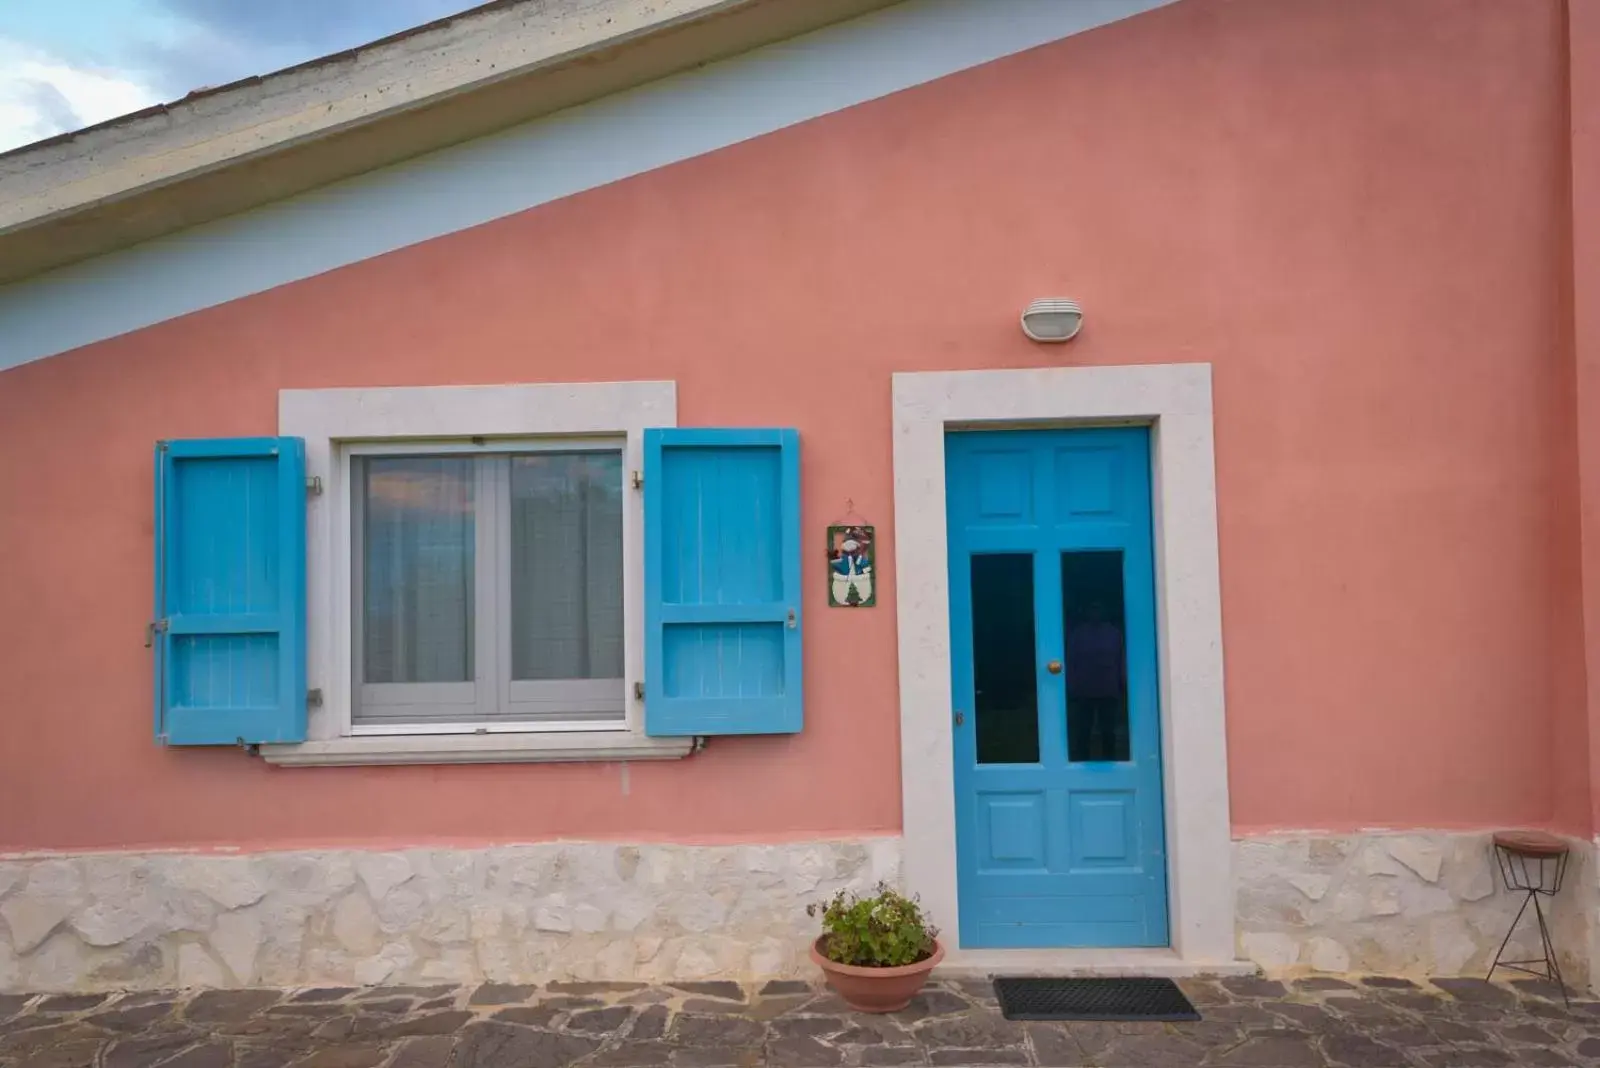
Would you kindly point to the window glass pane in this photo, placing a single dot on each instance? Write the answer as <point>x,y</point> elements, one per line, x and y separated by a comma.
<point>1097,668</point>
<point>417,574</point>
<point>566,566</point>
<point>1003,664</point>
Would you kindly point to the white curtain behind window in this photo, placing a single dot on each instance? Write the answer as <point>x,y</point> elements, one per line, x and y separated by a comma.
<point>418,569</point>
<point>566,566</point>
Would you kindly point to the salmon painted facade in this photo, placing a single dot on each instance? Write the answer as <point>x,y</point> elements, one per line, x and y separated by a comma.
<point>485,500</point>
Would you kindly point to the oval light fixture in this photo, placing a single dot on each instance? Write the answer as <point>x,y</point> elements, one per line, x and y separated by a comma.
<point>1052,319</point>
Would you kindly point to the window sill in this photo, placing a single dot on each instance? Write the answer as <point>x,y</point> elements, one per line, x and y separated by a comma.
<point>478,749</point>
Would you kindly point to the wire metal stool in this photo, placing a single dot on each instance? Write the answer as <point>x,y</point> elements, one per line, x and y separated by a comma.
<point>1534,863</point>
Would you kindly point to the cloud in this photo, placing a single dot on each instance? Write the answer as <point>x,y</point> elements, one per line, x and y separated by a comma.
<point>42,95</point>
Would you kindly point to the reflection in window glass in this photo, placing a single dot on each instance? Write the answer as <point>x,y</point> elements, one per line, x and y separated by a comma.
<point>1003,664</point>
<point>1097,669</point>
<point>417,577</point>
<point>566,566</point>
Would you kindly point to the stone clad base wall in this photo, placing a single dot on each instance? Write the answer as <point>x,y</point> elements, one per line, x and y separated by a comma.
<point>1405,904</point>
<point>1415,904</point>
<point>562,910</point>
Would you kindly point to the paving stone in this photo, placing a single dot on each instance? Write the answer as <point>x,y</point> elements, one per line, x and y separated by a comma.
<point>722,1031</point>
<point>431,991</point>
<point>634,1055</point>
<point>718,1057</point>
<point>205,1055</point>
<point>324,993</point>
<point>1155,1049</point>
<point>359,1056</point>
<point>569,1003</point>
<point>1528,1034</point>
<point>719,988</point>
<point>501,994</point>
<point>143,1051</point>
<point>599,1021</point>
<point>589,989</point>
<point>1053,1045</point>
<point>1544,1058</point>
<point>434,1004</point>
<point>648,996</point>
<point>1244,1016</point>
<point>933,1003</point>
<point>497,1045</point>
<point>964,1057</point>
<point>316,1010</point>
<point>1322,982</point>
<point>529,1015</point>
<point>1388,982</point>
<point>1453,1032</point>
<point>1482,1057</point>
<point>69,1002</point>
<point>1539,988</point>
<point>799,1051</point>
<point>809,1026</point>
<point>1590,1047</point>
<point>387,1006</point>
<point>1203,992</point>
<point>75,1054</point>
<point>429,1051</point>
<point>1358,1051</point>
<point>1269,1052</point>
<point>1310,1017</point>
<point>972,1031</point>
<point>11,1004</point>
<point>256,1057</point>
<point>779,987</point>
<point>706,1006</point>
<point>652,1023</point>
<point>892,1055</point>
<point>1415,1001</point>
<point>1477,991</point>
<point>127,1021</point>
<point>435,1023</point>
<point>1406,1036</point>
<point>1253,986</point>
<point>220,1006</point>
<point>865,1030</point>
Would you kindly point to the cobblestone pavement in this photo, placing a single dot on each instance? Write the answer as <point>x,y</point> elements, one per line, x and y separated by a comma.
<point>1376,1023</point>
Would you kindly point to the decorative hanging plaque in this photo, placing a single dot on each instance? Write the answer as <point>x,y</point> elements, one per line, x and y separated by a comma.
<point>851,553</point>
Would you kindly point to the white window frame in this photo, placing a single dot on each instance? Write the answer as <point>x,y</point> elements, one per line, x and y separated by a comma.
<point>493,644</point>
<point>481,418</point>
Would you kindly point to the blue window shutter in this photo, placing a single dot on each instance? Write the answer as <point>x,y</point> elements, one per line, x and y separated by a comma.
<point>722,581</point>
<point>230,592</point>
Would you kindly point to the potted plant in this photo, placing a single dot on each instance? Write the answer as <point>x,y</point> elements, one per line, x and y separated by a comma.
<point>876,951</point>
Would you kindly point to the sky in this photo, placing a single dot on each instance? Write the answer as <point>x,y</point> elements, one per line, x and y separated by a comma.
<point>65,64</point>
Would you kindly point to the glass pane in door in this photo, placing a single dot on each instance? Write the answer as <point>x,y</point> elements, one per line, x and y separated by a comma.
<point>1003,663</point>
<point>1096,660</point>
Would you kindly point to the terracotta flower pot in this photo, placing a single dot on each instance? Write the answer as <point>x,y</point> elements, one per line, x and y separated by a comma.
<point>877,989</point>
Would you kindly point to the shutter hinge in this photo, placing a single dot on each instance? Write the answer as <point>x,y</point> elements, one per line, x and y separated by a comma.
<point>151,629</point>
<point>638,481</point>
<point>638,690</point>
<point>314,485</point>
<point>314,698</point>
<point>792,622</point>
<point>163,445</point>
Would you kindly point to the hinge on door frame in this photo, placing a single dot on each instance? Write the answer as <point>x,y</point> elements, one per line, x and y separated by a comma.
<point>314,697</point>
<point>638,481</point>
<point>314,485</point>
<point>638,690</point>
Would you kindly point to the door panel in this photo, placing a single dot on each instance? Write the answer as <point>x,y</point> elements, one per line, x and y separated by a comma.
<point>1058,778</point>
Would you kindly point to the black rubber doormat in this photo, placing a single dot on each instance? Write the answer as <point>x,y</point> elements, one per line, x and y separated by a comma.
<point>1093,999</point>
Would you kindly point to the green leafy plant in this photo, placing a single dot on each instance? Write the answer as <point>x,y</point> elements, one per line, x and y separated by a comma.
<point>885,930</point>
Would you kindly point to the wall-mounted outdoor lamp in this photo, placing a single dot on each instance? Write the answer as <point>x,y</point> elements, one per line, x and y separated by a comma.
<point>1052,319</point>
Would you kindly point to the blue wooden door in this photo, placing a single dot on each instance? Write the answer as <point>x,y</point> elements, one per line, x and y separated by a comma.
<point>1059,827</point>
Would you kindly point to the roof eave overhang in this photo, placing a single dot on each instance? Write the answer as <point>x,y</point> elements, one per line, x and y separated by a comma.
<point>225,151</point>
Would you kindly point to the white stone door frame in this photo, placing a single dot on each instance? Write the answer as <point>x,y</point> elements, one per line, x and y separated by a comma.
<point>1174,400</point>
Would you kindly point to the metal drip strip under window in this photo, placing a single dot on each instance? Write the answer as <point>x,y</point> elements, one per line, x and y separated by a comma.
<point>1093,999</point>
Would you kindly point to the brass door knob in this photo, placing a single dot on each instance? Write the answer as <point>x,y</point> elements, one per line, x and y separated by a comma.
<point>1054,667</point>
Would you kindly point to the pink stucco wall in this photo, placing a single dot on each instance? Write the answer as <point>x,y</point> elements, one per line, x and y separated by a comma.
<point>1356,212</point>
